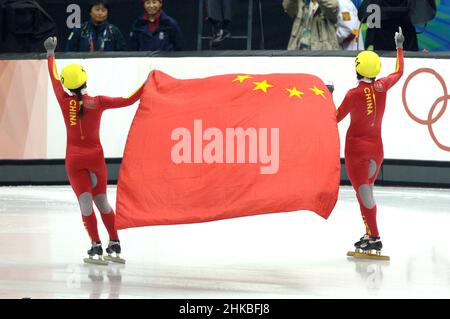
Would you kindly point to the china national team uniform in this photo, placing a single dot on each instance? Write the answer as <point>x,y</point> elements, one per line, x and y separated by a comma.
<point>364,146</point>
<point>85,162</point>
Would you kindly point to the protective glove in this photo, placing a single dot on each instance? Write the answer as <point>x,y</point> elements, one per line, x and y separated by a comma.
<point>50,46</point>
<point>399,38</point>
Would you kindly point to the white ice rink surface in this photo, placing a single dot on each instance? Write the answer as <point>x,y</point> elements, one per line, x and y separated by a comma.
<point>285,255</point>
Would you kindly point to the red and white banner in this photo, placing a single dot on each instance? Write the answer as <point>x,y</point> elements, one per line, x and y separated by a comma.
<point>229,146</point>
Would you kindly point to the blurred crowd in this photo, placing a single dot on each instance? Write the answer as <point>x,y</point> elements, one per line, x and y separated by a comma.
<point>316,25</point>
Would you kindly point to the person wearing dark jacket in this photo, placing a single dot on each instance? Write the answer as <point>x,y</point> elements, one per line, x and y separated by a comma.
<point>155,30</point>
<point>394,13</point>
<point>97,34</point>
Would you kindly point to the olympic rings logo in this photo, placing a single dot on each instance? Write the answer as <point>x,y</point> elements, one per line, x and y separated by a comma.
<point>430,120</point>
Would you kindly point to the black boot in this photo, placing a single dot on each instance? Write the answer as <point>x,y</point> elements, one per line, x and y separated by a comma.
<point>113,247</point>
<point>362,240</point>
<point>96,249</point>
<point>374,243</point>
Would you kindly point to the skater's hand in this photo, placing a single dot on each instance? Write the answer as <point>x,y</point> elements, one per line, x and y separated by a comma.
<point>399,38</point>
<point>330,86</point>
<point>50,45</point>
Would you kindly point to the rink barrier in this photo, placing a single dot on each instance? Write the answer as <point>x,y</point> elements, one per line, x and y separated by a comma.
<point>393,172</point>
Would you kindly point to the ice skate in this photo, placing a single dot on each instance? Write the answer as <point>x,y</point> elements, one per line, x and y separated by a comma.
<point>358,244</point>
<point>361,241</point>
<point>368,248</point>
<point>114,247</point>
<point>96,249</point>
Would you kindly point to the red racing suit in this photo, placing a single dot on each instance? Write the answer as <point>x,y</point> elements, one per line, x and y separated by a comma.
<point>366,104</point>
<point>84,152</point>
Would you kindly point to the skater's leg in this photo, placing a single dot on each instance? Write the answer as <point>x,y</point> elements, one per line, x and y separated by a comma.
<point>373,170</point>
<point>81,185</point>
<point>366,199</point>
<point>107,214</point>
<point>80,180</point>
<point>99,174</point>
<point>101,200</point>
<point>88,215</point>
<point>368,210</point>
<point>358,173</point>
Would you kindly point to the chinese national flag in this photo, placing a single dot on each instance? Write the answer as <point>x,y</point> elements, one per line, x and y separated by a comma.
<point>229,146</point>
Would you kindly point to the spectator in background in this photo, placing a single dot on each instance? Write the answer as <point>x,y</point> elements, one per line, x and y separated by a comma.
<point>348,27</point>
<point>218,13</point>
<point>24,26</point>
<point>394,13</point>
<point>97,34</point>
<point>314,26</point>
<point>155,30</point>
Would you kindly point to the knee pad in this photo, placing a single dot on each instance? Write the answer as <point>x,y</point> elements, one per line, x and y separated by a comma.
<point>101,201</point>
<point>372,168</point>
<point>85,201</point>
<point>93,179</point>
<point>366,195</point>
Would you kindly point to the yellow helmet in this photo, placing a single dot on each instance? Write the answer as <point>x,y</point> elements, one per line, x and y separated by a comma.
<point>368,64</point>
<point>73,76</point>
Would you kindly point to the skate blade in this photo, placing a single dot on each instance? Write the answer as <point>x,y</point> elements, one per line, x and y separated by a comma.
<point>93,261</point>
<point>114,259</point>
<point>367,256</point>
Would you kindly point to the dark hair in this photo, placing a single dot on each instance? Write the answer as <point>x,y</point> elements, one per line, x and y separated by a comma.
<point>359,77</point>
<point>98,2</point>
<point>79,95</point>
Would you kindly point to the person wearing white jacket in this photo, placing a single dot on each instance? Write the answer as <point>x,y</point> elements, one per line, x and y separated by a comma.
<point>348,27</point>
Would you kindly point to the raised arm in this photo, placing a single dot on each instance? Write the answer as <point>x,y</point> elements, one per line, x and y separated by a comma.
<point>393,78</point>
<point>107,102</point>
<point>50,45</point>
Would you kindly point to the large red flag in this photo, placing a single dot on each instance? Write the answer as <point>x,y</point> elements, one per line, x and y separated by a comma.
<point>229,146</point>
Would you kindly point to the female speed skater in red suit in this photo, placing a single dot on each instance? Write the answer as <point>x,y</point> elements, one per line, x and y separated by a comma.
<point>85,162</point>
<point>363,146</point>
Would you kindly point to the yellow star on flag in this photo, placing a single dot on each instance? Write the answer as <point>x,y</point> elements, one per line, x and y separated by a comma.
<point>317,91</point>
<point>295,92</point>
<point>242,78</point>
<point>262,86</point>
